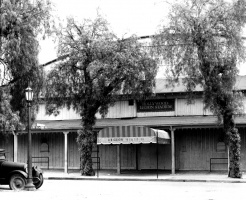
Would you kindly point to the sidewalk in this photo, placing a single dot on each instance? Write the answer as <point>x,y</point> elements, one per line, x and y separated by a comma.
<point>111,175</point>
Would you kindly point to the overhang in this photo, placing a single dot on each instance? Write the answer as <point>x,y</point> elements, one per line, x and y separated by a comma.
<point>153,122</point>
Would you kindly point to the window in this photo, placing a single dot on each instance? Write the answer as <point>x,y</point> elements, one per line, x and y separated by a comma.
<point>44,146</point>
<point>220,147</point>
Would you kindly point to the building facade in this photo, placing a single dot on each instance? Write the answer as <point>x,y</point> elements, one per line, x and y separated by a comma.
<point>196,139</point>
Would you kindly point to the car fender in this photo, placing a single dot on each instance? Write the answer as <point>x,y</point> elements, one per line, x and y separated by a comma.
<point>36,171</point>
<point>18,172</point>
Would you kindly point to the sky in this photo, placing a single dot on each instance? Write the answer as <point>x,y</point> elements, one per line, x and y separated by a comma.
<point>126,17</point>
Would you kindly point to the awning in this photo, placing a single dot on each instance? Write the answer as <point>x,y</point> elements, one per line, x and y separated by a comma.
<point>132,135</point>
<point>164,122</point>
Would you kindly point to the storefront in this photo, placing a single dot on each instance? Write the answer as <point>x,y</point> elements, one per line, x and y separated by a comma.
<point>138,137</point>
<point>163,132</point>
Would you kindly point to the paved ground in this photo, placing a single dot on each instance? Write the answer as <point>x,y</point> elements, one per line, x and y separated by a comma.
<point>133,185</point>
<point>188,176</point>
<point>128,190</point>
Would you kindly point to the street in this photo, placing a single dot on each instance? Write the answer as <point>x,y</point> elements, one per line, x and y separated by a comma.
<point>81,189</point>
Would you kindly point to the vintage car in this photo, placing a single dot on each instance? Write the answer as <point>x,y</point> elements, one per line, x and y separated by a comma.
<point>15,174</point>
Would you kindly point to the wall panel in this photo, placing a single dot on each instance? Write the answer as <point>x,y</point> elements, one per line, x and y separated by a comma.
<point>108,156</point>
<point>22,148</point>
<point>64,114</point>
<point>242,132</point>
<point>195,147</point>
<point>183,108</point>
<point>148,156</point>
<point>55,142</point>
<point>7,143</point>
<point>73,152</point>
<point>121,109</point>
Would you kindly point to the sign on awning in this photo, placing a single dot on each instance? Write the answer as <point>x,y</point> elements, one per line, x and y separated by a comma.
<point>132,135</point>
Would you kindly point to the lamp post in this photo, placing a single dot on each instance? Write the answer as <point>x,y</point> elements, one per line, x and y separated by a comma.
<point>29,98</point>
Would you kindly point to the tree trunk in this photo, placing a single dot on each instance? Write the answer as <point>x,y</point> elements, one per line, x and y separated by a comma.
<point>85,139</point>
<point>233,140</point>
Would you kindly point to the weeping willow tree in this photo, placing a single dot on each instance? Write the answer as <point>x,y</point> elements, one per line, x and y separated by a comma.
<point>98,68</point>
<point>21,22</point>
<point>202,42</point>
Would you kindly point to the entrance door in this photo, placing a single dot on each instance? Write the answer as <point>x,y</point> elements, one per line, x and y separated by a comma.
<point>147,156</point>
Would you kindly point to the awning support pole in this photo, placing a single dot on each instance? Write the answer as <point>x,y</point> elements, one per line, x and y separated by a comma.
<point>157,152</point>
<point>118,159</point>
<point>137,156</point>
<point>15,147</point>
<point>173,150</point>
<point>65,153</point>
<point>98,161</point>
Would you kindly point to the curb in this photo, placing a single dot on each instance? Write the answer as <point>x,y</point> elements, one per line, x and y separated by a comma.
<point>137,179</point>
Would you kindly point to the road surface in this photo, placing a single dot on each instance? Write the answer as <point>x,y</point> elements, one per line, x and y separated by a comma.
<point>127,190</point>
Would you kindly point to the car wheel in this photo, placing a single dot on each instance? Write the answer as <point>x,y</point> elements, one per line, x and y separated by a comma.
<point>39,183</point>
<point>17,182</point>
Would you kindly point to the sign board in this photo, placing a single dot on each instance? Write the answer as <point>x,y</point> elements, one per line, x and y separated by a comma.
<point>132,140</point>
<point>124,140</point>
<point>156,105</point>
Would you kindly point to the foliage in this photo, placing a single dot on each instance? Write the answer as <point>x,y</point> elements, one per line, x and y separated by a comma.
<point>21,23</point>
<point>9,120</point>
<point>203,43</point>
<point>99,67</point>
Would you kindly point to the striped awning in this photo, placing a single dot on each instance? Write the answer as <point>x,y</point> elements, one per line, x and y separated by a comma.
<point>132,135</point>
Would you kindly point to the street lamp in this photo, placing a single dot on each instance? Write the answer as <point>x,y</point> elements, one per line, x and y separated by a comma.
<point>29,98</point>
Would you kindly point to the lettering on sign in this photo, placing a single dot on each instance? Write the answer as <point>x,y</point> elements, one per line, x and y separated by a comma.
<point>126,140</point>
<point>157,105</point>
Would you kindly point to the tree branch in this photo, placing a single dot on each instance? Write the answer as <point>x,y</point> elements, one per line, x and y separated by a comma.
<point>55,60</point>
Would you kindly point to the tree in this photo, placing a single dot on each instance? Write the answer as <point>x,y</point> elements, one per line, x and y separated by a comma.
<point>203,43</point>
<point>21,22</point>
<point>99,68</point>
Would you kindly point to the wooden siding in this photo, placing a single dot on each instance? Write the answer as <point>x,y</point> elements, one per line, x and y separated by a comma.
<point>121,109</point>
<point>73,152</point>
<point>55,142</point>
<point>22,148</point>
<point>7,143</point>
<point>148,156</point>
<point>128,156</point>
<point>242,132</point>
<point>195,147</point>
<point>64,114</point>
<point>244,104</point>
<point>195,108</point>
<point>108,156</point>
